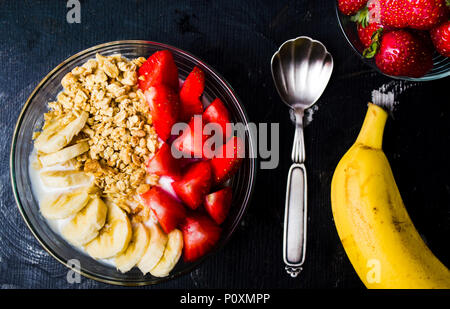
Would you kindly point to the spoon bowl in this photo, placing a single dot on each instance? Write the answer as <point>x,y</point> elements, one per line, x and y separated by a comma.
<point>301,69</point>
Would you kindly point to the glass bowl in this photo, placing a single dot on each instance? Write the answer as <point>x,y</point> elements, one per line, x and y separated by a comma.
<point>31,120</point>
<point>441,64</point>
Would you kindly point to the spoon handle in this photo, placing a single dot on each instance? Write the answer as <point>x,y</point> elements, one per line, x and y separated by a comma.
<point>295,215</point>
<point>294,242</point>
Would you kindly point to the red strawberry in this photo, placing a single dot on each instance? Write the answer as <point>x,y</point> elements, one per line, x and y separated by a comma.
<point>194,185</point>
<point>423,14</point>
<point>216,112</point>
<point>218,204</point>
<point>200,235</point>
<point>403,54</point>
<point>391,13</point>
<point>441,38</point>
<point>191,141</point>
<point>190,94</point>
<point>169,212</point>
<point>351,7</point>
<point>228,160</point>
<point>164,108</point>
<point>400,53</point>
<point>158,69</point>
<point>164,164</point>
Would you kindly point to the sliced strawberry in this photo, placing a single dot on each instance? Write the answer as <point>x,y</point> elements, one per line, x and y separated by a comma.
<point>158,69</point>
<point>164,164</point>
<point>200,235</point>
<point>164,108</point>
<point>216,112</point>
<point>192,140</point>
<point>169,212</point>
<point>190,94</point>
<point>194,185</point>
<point>218,204</point>
<point>228,160</point>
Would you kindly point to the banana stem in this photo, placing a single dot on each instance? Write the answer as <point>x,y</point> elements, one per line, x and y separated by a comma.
<point>371,134</point>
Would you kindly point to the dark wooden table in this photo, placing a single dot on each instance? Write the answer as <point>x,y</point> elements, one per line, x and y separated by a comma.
<point>237,38</point>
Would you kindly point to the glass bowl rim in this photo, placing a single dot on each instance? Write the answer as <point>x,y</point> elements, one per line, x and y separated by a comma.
<point>248,194</point>
<point>424,78</point>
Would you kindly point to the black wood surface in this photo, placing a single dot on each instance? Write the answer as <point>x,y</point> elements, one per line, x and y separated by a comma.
<point>237,38</point>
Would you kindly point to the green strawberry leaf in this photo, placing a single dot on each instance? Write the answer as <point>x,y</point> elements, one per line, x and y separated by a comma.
<point>362,17</point>
<point>372,50</point>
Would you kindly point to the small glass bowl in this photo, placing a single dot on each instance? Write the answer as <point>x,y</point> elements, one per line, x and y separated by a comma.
<point>31,120</point>
<point>441,64</point>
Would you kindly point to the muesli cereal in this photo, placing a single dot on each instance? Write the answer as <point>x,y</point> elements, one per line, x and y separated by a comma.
<point>118,129</point>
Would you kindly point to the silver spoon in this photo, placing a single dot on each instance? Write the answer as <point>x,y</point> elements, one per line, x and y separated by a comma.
<point>301,69</point>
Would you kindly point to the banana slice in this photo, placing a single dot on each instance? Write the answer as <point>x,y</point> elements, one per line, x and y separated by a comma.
<point>64,179</point>
<point>113,237</point>
<point>57,135</point>
<point>135,250</point>
<point>155,249</point>
<point>171,255</point>
<point>64,154</point>
<point>86,224</point>
<point>64,205</point>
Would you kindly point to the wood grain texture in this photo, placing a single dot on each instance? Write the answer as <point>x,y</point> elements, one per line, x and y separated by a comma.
<point>237,38</point>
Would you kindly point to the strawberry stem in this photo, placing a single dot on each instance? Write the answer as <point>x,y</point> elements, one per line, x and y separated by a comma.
<point>372,50</point>
<point>362,17</point>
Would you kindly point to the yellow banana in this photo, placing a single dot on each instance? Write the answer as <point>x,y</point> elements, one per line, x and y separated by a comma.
<point>374,227</point>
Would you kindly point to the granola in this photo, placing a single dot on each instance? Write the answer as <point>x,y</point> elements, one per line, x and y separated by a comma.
<point>118,130</point>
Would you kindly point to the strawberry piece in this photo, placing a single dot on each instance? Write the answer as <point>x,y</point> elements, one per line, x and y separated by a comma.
<point>164,164</point>
<point>403,54</point>
<point>200,235</point>
<point>190,94</point>
<point>351,7</point>
<point>216,112</point>
<point>160,68</point>
<point>164,108</point>
<point>228,160</point>
<point>191,141</point>
<point>194,185</point>
<point>441,38</point>
<point>169,212</point>
<point>218,204</point>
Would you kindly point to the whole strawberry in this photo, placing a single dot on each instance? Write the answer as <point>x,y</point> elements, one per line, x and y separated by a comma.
<point>351,7</point>
<point>401,53</point>
<point>416,14</point>
<point>441,38</point>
